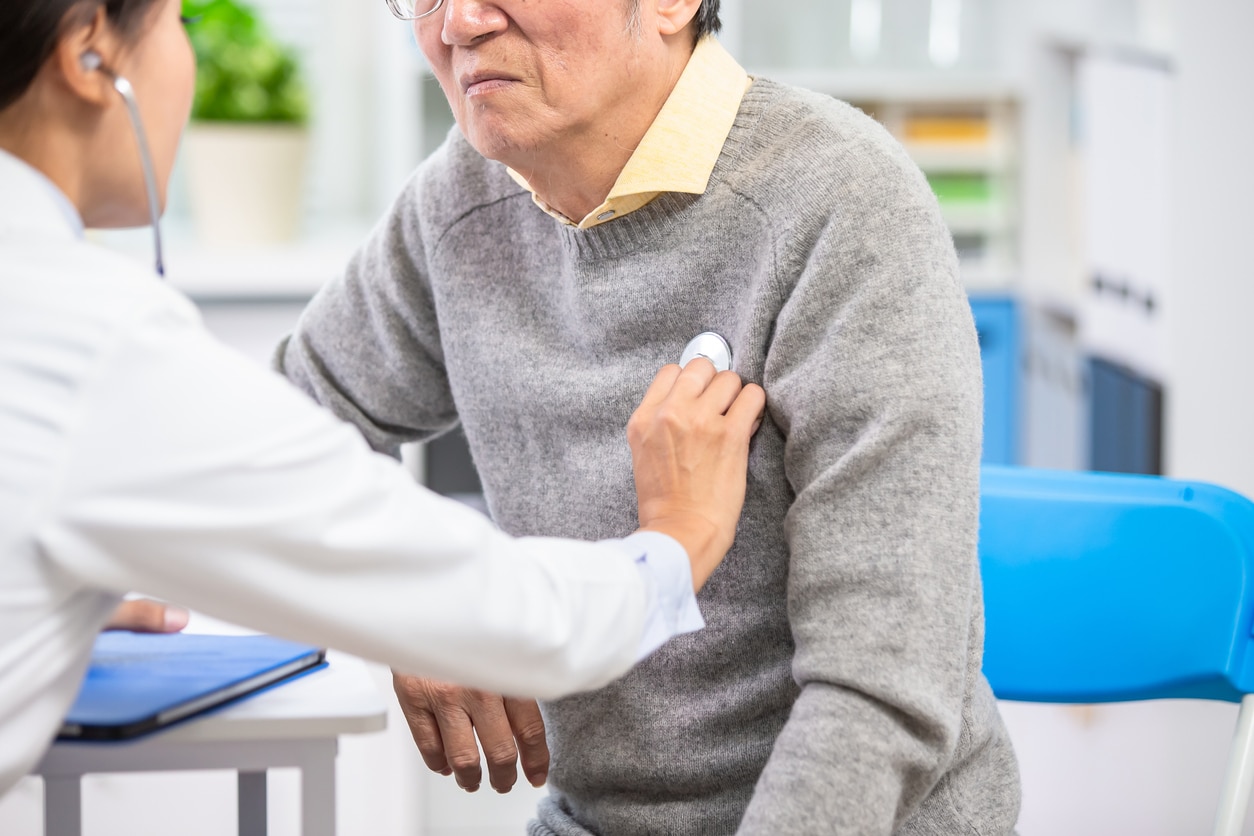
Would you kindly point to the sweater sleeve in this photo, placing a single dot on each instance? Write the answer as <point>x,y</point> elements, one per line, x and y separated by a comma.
<point>873,376</point>
<point>372,328</point>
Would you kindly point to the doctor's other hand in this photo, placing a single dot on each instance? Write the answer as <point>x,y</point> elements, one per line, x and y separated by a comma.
<point>444,720</point>
<point>690,452</point>
<point>143,615</point>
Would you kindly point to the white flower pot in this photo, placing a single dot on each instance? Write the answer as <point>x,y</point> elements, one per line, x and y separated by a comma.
<point>246,181</point>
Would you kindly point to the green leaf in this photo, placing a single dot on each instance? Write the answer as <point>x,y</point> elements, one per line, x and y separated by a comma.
<point>244,74</point>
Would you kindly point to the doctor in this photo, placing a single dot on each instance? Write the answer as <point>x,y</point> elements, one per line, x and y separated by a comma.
<point>137,453</point>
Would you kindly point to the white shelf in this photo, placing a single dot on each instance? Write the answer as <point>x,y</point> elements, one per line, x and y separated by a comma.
<point>983,220</point>
<point>937,158</point>
<point>292,271</point>
<point>985,275</point>
<point>886,86</point>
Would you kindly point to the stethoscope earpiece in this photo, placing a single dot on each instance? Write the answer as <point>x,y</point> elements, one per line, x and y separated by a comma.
<point>91,62</point>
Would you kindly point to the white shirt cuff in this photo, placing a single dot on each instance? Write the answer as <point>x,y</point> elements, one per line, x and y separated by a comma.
<point>671,608</point>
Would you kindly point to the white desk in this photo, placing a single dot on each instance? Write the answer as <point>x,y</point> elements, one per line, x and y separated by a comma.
<point>294,725</point>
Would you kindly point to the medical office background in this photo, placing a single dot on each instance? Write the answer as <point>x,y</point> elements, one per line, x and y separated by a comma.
<point>1093,161</point>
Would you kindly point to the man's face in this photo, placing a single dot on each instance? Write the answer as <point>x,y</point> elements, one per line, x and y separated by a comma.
<point>530,77</point>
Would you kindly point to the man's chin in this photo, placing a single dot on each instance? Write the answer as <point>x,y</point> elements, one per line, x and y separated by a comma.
<point>497,141</point>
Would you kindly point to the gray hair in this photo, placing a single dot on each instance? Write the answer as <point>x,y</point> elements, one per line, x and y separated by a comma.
<point>705,23</point>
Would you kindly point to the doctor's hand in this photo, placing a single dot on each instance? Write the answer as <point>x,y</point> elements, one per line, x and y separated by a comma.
<point>690,452</point>
<point>445,719</point>
<point>142,615</point>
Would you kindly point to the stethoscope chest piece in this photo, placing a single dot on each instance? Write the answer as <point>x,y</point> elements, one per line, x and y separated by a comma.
<point>710,346</point>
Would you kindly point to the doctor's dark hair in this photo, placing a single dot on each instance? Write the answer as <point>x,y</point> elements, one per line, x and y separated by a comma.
<point>30,29</point>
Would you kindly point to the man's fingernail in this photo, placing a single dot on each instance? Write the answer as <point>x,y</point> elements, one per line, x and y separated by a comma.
<point>756,425</point>
<point>538,780</point>
<point>475,788</point>
<point>446,772</point>
<point>176,618</point>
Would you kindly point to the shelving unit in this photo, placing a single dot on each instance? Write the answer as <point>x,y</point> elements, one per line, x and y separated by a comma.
<point>963,132</point>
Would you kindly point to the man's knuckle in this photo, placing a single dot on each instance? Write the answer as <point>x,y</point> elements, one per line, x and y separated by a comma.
<point>427,743</point>
<point>638,426</point>
<point>474,700</point>
<point>449,714</point>
<point>500,754</point>
<point>441,691</point>
<point>421,721</point>
<point>408,689</point>
<point>464,760</point>
<point>531,734</point>
<point>670,417</point>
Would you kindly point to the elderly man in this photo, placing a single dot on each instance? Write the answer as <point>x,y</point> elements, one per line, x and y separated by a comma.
<point>617,186</point>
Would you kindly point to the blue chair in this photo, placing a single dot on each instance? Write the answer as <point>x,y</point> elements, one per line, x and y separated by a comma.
<point>1104,588</point>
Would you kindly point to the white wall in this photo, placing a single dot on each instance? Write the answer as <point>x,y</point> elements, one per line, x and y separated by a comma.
<point>1210,412</point>
<point>1156,768</point>
<point>1134,769</point>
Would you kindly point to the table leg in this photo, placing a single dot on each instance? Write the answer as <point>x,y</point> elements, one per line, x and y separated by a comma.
<point>317,793</point>
<point>63,806</point>
<point>252,803</point>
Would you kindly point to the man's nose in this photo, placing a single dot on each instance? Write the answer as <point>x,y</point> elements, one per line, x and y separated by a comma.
<point>468,21</point>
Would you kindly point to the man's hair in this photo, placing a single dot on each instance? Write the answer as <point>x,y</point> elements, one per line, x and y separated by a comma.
<point>30,30</point>
<point>705,23</point>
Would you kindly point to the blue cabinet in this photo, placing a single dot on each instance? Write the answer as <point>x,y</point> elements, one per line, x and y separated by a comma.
<point>1125,420</point>
<point>997,323</point>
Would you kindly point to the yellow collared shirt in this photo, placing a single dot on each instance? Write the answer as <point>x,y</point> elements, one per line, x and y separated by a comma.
<point>678,152</point>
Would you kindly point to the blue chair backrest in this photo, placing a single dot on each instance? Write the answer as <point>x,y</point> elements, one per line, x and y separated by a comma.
<point>1103,588</point>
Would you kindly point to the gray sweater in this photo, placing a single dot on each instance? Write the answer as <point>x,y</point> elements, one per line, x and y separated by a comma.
<point>837,687</point>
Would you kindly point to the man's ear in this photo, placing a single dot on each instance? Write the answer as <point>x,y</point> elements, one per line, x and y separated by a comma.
<point>674,15</point>
<point>82,58</point>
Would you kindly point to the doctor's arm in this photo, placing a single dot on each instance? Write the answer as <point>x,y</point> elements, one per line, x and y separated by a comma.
<point>199,478</point>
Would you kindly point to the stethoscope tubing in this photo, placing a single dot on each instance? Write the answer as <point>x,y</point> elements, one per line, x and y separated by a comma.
<point>127,92</point>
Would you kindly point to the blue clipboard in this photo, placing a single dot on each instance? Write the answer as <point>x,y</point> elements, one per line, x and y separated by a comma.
<point>138,683</point>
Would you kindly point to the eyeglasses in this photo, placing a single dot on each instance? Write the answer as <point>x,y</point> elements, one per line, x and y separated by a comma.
<point>414,9</point>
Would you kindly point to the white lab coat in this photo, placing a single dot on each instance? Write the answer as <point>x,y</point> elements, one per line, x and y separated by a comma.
<point>136,453</point>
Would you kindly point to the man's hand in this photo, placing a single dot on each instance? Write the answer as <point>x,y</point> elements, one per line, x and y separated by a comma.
<point>690,452</point>
<point>444,720</point>
<point>143,615</point>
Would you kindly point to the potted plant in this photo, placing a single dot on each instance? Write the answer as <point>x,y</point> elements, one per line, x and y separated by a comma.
<point>247,143</point>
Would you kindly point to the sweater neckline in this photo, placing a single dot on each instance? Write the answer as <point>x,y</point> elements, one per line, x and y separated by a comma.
<point>644,227</point>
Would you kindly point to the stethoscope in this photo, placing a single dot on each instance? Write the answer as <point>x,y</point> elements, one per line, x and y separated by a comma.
<point>712,347</point>
<point>92,62</point>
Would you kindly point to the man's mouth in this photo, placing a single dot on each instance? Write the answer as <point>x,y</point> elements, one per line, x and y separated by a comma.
<point>481,82</point>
